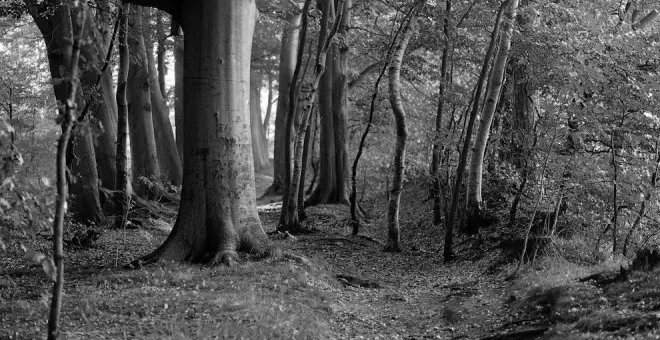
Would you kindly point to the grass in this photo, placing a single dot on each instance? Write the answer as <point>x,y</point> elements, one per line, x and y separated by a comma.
<point>256,300</point>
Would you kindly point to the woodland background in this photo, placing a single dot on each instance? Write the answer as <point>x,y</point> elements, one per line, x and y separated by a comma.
<point>561,97</point>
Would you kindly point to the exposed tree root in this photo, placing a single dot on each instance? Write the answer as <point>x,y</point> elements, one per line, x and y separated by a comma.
<point>390,248</point>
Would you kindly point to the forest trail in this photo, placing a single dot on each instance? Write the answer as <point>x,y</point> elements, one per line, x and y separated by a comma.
<point>408,295</point>
<point>335,287</point>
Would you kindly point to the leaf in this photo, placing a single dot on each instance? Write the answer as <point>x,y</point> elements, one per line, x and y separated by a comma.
<point>3,246</point>
<point>146,235</point>
<point>45,181</point>
<point>34,256</point>
<point>49,268</point>
<point>4,204</point>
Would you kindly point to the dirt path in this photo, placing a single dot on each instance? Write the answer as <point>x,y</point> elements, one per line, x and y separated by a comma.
<point>409,295</point>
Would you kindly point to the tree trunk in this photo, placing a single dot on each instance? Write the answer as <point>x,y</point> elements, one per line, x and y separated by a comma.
<point>160,53</point>
<point>399,161</point>
<point>290,219</point>
<point>445,78</point>
<point>67,116</point>
<point>269,107</point>
<point>218,215</point>
<point>259,145</point>
<point>144,160</point>
<point>57,30</point>
<point>475,209</point>
<point>288,55</point>
<point>102,105</point>
<point>178,96</point>
<point>333,109</point>
<point>122,199</point>
<point>169,161</point>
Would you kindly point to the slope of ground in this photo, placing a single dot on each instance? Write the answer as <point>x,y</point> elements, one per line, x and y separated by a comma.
<point>341,287</point>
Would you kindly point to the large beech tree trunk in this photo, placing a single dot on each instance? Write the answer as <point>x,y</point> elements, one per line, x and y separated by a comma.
<point>288,55</point>
<point>257,131</point>
<point>217,215</point>
<point>475,209</point>
<point>168,155</point>
<point>144,158</point>
<point>333,111</point>
<point>56,28</point>
<point>399,162</point>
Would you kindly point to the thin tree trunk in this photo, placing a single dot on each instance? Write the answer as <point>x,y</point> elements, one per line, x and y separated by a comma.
<point>122,199</point>
<point>160,53</point>
<point>290,220</point>
<point>647,198</point>
<point>145,165</point>
<point>67,115</point>
<point>307,148</point>
<point>288,55</point>
<point>460,169</point>
<point>259,148</point>
<point>445,77</point>
<point>398,164</point>
<point>269,107</point>
<point>475,200</point>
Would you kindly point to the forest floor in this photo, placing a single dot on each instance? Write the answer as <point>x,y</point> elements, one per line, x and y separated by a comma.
<point>342,287</point>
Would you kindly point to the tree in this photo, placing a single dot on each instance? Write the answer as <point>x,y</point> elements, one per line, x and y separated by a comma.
<point>258,133</point>
<point>217,216</point>
<point>67,117</point>
<point>475,199</point>
<point>399,162</point>
<point>288,55</point>
<point>168,156</point>
<point>333,111</point>
<point>448,253</point>
<point>122,199</point>
<point>145,165</point>
<point>290,216</point>
<point>445,78</point>
<point>57,30</point>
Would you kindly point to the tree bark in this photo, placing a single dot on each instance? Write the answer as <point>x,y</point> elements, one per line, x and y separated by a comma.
<point>144,158</point>
<point>178,96</point>
<point>67,116</point>
<point>288,55</point>
<point>269,106</point>
<point>445,78</point>
<point>169,161</point>
<point>475,200</point>
<point>217,216</point>
<point>290,220</point>
<point>259,142</point>
<point>57,30</point>
<point>333,109</point>
<point>122,199</point>
<point>399,161</point>
<point>160,52</point>
<point>448,253</point>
